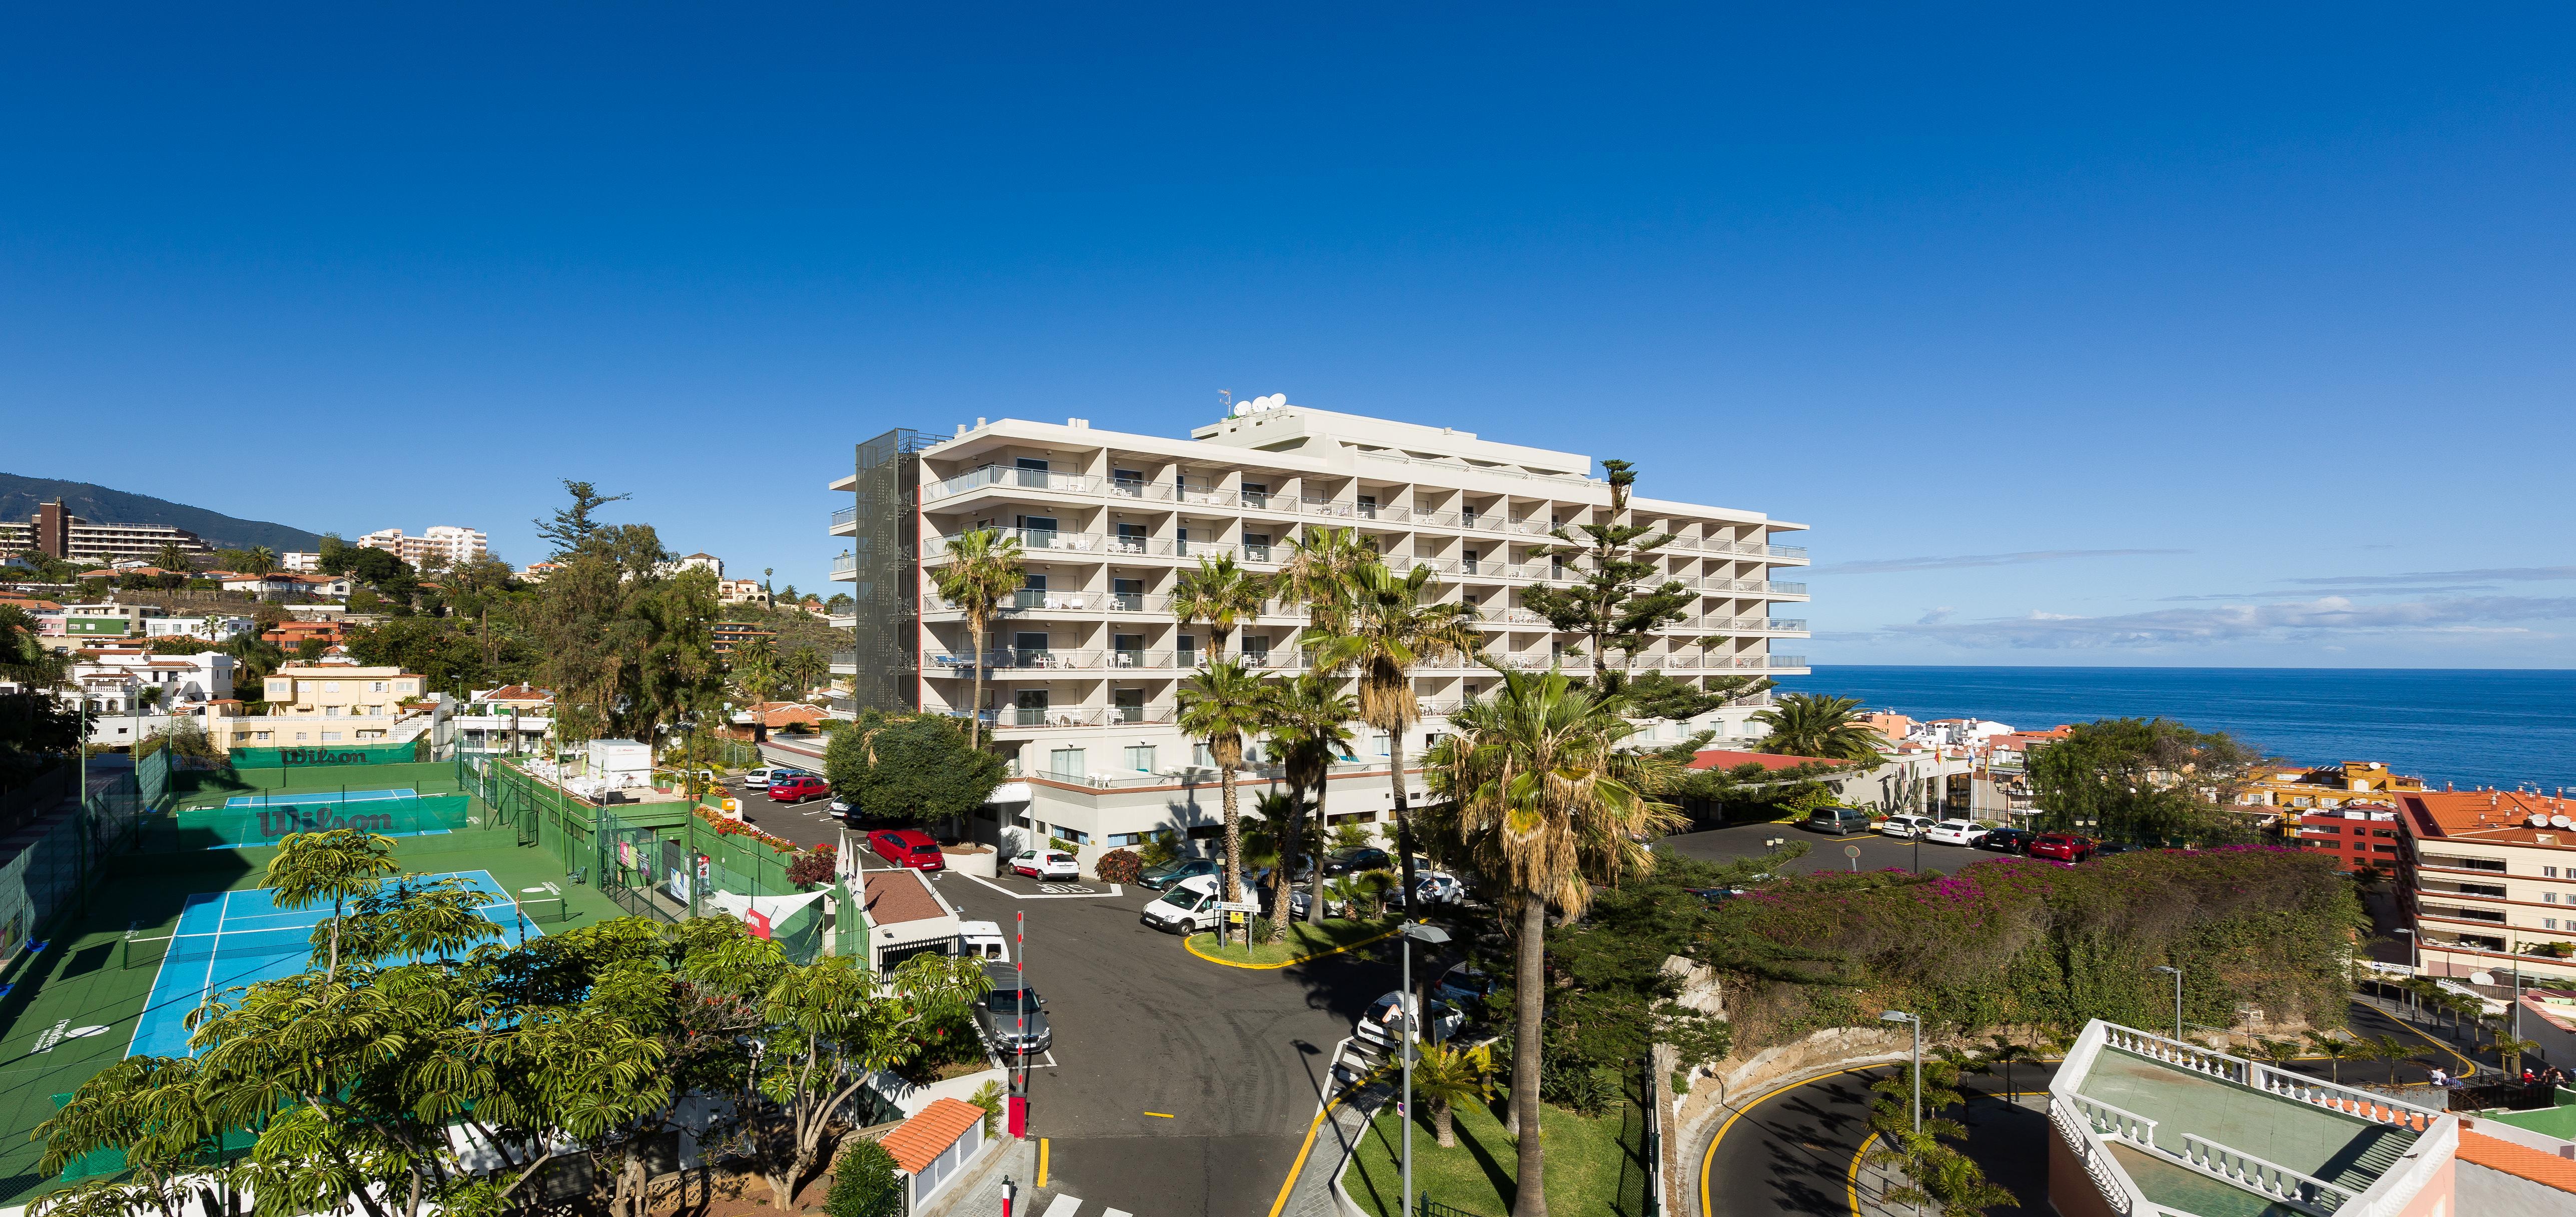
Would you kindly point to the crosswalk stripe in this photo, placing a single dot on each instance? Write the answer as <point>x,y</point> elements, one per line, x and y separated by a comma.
<point>1064,1206</point>
<point>1117,1213</point>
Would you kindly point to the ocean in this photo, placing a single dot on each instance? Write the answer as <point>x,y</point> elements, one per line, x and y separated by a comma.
<point>2468,727</point>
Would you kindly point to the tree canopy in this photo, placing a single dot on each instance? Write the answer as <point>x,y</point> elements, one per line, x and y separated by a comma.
<point>2153,781</point>
<point>910,768</point>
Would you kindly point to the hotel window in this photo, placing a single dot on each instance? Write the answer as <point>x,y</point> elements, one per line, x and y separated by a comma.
<point>299,737</point>
<point>329,737</point>
<point>330,686</point>
<point>1065,762</point>
<point>1128,838</point>
<point>1140,757</point>
<point>2549,897</point>
<point>371,735</point>
<point>1075,835</point>
<point>261,736</point>
<point>2549,923</point>
<point>2549,872</point>
<point>376,687</point>
<point>1201,758</point>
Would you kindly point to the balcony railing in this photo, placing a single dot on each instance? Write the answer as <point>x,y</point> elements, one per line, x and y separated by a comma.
<point>846,515</point>
<point>999,475</point>
<point>844,565</point>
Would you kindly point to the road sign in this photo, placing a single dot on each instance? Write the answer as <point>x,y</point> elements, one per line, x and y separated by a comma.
<point>1235,906</point>
<point>1851,851</point>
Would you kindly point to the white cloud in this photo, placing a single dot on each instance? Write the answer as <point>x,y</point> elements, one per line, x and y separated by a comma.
<point>2485,617</point>
<point>2515,574</point>
<point>1891,566</point>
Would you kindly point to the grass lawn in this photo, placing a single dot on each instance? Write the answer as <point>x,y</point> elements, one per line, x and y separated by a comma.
<point>1593,1166</point>
<point>1303,940</point>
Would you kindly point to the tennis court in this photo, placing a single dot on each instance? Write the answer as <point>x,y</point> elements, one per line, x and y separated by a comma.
<point>231,939</point>
<point>316,798</point>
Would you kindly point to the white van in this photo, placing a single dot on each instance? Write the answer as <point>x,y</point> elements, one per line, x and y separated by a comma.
<point>983,940</point>
<point>1188,908</point>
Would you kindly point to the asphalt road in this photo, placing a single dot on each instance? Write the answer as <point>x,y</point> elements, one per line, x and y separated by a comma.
<point>1235,1061</point>
<point>1825,851</point>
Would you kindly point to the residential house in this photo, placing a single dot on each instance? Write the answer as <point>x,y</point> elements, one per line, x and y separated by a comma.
<point>707,562</point>
<point>933,1147</point>
<point>512,718</point>
<point>108,622</point>
<point>443,546</point>
<point>2356,835</point>
<point>315,704</point>
<point>731,634</point>
<point>903,915</point>
<point>300,562</point>
<point>2323,787</point>
<point>291,634</point>
<point>772,717</point>
<point>741,591</point>
<point>209,628</point>
<point>288,583</point>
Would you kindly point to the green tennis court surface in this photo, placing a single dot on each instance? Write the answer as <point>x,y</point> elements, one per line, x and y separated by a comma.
<point>319,798</point>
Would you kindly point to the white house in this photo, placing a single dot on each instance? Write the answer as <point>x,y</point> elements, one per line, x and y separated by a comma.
<point>211,629</point>
<point>287,583</point>
<point>114,681</point>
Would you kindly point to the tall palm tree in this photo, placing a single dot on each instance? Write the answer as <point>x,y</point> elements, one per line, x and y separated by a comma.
<point>1309,721</point>
<point>1387,632</point>
<point>1222,703</point>
<point>1321,563</point>
<point>1546,803</point>
<point>1220,593</point>
<point>805,668</point>
<point>260,560</point>
<point>984,569</point>
<point>1448,1075</point>
<point>1819,725</point>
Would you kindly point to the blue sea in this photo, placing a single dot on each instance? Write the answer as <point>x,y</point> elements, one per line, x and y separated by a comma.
<point>2468,727</point>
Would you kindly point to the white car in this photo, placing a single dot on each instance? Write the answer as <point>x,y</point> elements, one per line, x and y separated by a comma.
<point>983,940</point>
<point>759,779</point>
<point>1381,1027</point>
<point>1904,826</point>
<point>1187,907</point>
<point>1957,832</point>
<point>1047,864</point>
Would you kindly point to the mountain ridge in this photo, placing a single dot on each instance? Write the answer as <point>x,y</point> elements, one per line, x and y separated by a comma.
<point>20,496</point>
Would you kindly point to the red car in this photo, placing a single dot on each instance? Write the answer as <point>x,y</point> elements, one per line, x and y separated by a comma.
<point>2061,847</point>
<point>798,789</point>
<point>907,847</point>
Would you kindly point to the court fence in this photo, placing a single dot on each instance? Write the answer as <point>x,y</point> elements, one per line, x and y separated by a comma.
<point>334,756</point>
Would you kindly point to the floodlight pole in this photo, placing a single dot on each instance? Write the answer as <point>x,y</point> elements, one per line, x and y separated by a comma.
<point>1431,935</point>
<point>1900,1016</point>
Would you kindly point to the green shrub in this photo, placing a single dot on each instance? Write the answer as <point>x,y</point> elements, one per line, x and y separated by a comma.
<point>1163,850</point>
<point>864,1184</point>
<point>990,1098</point>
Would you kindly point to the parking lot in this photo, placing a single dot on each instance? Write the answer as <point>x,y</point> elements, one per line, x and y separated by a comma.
<point>1825,851</point>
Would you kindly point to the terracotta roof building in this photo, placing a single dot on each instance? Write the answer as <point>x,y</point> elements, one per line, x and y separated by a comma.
<point>2490,880</point>
<point>933,1146</point>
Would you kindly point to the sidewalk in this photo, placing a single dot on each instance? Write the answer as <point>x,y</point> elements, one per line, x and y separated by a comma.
<point>1316,1192</point>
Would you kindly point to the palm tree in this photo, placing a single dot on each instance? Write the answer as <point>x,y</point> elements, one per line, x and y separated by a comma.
<point>1547,804</point>
<point>1221,594</point>
<point>1820,726</point>
<point>1221,703</point>
<point>805,668</point>
<point>2509,1050</point>
<point>2336,1051</point>
<point>2279,1052</point>
<point>1319,570</point>
<point>1308,720</point>
<point>984,569</point>
<point>2388,1048</point>
<point>1387,632</point>
<point>259,561</point>
<point>2004,1053</point>
<point>1446,1075</point>
<point>172,558</point>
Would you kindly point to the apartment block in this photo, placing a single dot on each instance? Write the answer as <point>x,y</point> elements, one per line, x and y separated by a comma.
<point>1082,670</point>
<point>441,545</point>
<point>2355,835</point>
<point>56,532</point>
<point>2489,878</point>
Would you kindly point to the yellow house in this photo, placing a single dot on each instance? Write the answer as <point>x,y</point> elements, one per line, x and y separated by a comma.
<point>314,704</point>
<point>2326,787</point>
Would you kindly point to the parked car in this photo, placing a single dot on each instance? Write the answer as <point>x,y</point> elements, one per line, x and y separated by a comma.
<point>2104,849</point>
<point>1438,887</point>
<point>1838,820</point>
<point>1956,832</point>
<point>797,789</point>
<point>841,807</point>
<point>2061,847</point>
<point>1463,987</point>
<point>1716,895</point>
<point>1359,858</point>
<point>1189,907</point>
<point>1382,1027</point>
<point>2007,840</point>
<point>1169,873</point>
<point>1014,1018</point>
<point>1046,864</point>
<point>907,847</point>
<point>759,779</point>
<point>1905,826</point>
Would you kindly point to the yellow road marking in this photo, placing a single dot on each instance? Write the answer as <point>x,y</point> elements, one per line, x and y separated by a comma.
<point>1711,1154</point>
<point>1312,1127</point>
<point>1851,1178</point>
<point>1162,1115</point>
<point>2419,1034</point>
<point>1042,1161</point>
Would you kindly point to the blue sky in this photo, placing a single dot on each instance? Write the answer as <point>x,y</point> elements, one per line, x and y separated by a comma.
<point>2205,337</point>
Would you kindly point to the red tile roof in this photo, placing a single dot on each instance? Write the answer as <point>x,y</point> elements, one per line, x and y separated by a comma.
<point>896,896</point>
<point>919,1141</point>
<point>1722,758</point>
<point>2519,1161</point>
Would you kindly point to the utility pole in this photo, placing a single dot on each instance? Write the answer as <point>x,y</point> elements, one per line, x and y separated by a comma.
<point>2177,975</point>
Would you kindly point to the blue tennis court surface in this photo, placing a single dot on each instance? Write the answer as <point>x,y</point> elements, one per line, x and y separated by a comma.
<point>318,797</point>
<point>227,940</point>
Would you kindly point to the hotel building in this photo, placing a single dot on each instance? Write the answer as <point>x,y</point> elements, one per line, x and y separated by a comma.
<point>2490,881</point>
<point>1081,671</point>
<point>444,546</point>
<point>57,533</point>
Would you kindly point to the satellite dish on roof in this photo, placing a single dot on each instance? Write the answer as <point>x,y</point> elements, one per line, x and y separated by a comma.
<point>2538,820</point>
<point>2561,822</point>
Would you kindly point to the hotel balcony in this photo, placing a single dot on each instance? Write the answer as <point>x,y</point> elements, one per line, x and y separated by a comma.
<point>845,522</point>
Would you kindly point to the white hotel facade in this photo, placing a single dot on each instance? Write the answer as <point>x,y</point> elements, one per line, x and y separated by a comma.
<point>1081,673</point>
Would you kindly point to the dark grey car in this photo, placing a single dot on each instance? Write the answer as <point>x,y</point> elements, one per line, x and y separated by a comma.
<point>1000,1013</point>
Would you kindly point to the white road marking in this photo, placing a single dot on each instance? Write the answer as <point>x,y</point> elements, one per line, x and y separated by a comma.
<point>1114,890</point>
<point>1117,1213</point>
<point>1064,1206</point>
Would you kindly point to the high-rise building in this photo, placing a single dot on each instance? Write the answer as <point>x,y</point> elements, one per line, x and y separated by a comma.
<point>2489,877</point>
<point>56,532</point>
<point>442,545</point>
<point>1082,670</point>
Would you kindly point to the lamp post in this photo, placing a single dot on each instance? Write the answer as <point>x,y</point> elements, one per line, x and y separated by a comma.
<point>1900,1016</point>
<point>2414,969</point>
<point>2177,975</point>
<point>1427,935</point>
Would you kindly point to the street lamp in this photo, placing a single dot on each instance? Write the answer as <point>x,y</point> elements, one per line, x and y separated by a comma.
<point>2414,969</point>
<point>1427,935</point>
<point>2177,975</point>
<point>1899,1016</point>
